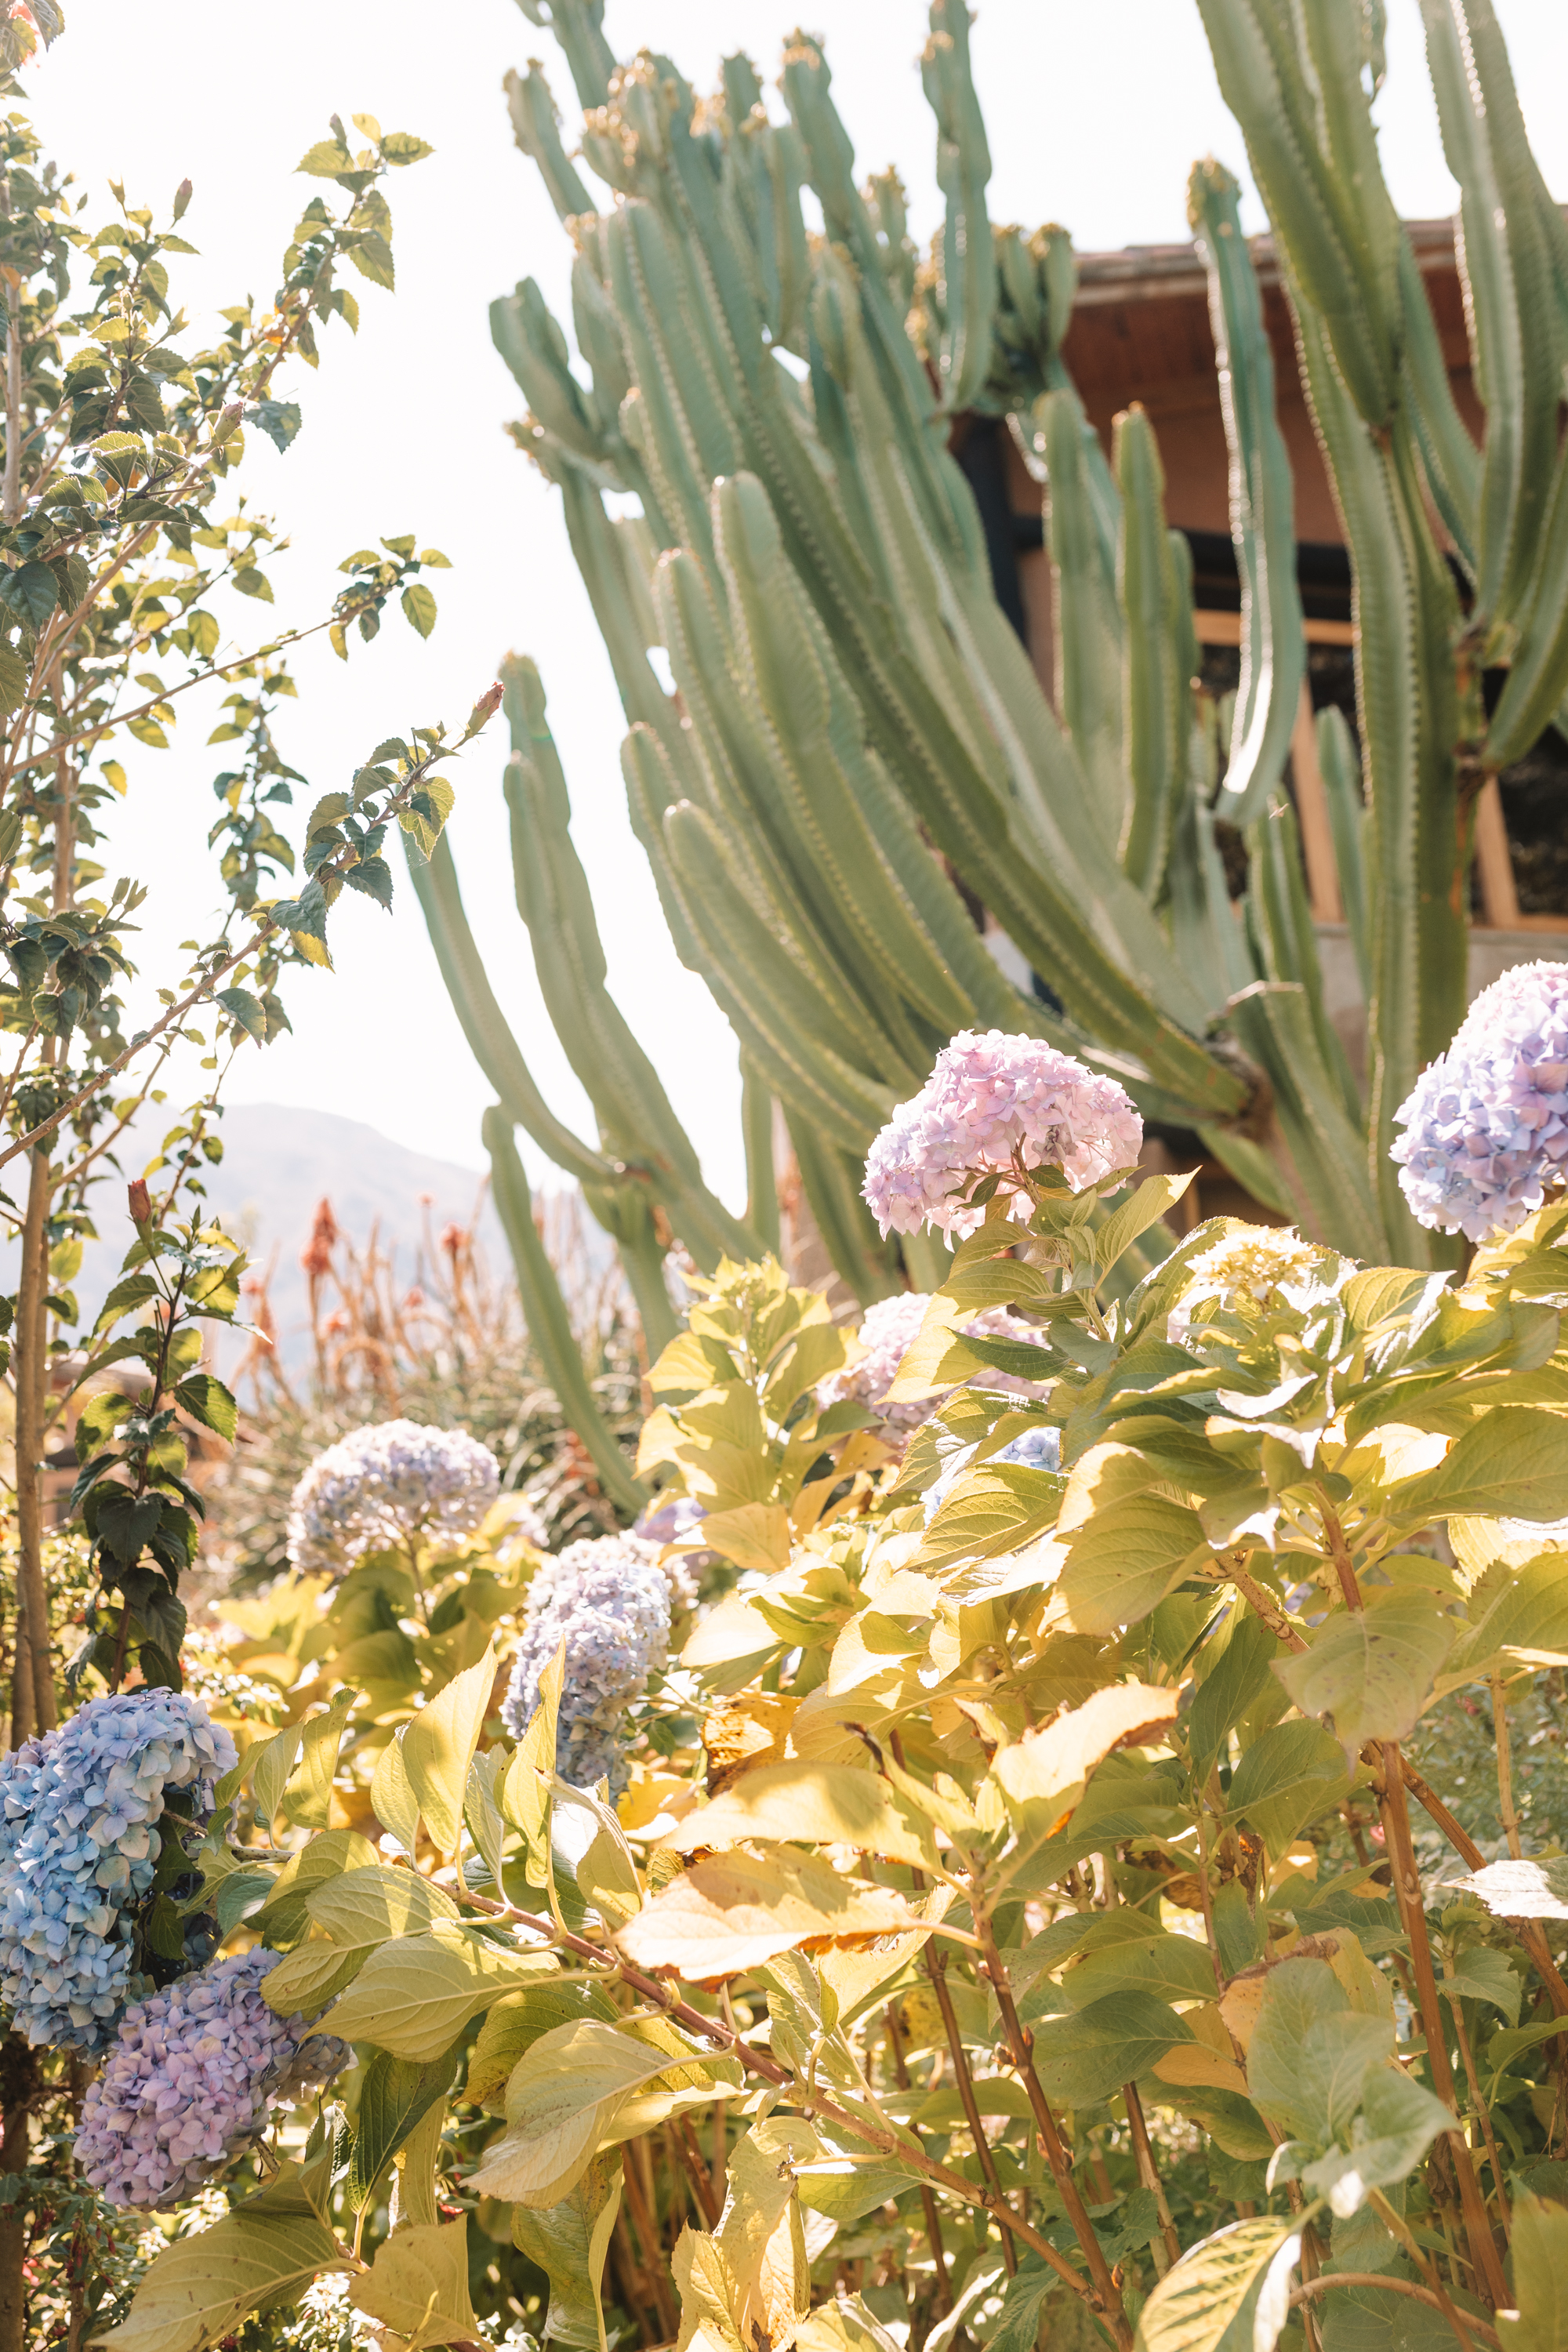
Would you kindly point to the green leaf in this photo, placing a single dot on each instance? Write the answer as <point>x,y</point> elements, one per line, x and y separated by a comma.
<point>516,2022</point>
<point>1369,1672</point>
<point>815,1804</point>
<point>1531,1612</point>
<point>1398,2122</point>
<point>440,1744</point>
<point>204,1396</point>
<point>395,2092</point>
<point>247,1010</point>
<point>31,593</point>
<point>1125,1558</point>
<point>1194,2302</point>
<point>414,1997</point>
<point>418,2285</point>
<point>1511,1463</point>
<point>1311,2054</point>
<point>371,256</point>
<point>401,147</point>
<point>1171,1967</point>
<point>1485,1975</point>
<point>271,1761</point>
<point>995,1507</point>
<point>201,2289</point>
<point>1231,1683</point>
<point>325,160</point>
<point>391,1796</point>
<point>253,583</point>
<point>14,676</point>
<point>133,1291</point>
<point>569,2242</point>
<point>1540,2278</point>
<point>419,607</point>
<point>1285,1779</point>
<point>307,1797</point>
<point>1084,2058</point>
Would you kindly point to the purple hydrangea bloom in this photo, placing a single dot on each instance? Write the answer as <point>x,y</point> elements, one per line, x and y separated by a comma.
<point>989,1097</point>
<point>79,1844</point>
<point>610,1600</point>
<point>886,1332</point>
<point>1485,1126</point>
<point>190,2081</point>
<point>384,1487</point>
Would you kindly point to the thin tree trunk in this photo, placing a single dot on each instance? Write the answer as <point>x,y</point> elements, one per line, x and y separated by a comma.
<point>33,1687</point>
<point>18,2088</point>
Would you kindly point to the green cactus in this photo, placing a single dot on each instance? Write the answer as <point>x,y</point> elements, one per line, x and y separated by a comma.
<point>848,694</point>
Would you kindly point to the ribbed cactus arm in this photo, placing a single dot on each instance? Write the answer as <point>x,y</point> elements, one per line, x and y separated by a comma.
<point>1347,823</point>
<point>1271,87</point>
<point>1156,723</point>
<point>757,1135</point>
<point>579,26</point>
<point>1450,459</point>
<point>633,1111</point>
<point>1262,504</point>
<point>1087,617</point>
<point>535,349</point>
<point>484,1023</point>
<point>545,1311</point>
<point>536,123</point>
<point>963,168</point>
<point>1505,262</point>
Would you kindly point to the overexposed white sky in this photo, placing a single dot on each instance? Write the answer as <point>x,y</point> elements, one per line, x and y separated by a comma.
<point>1094,115</point>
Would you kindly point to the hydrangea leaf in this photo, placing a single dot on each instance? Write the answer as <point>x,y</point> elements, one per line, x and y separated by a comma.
<point>201,2289</point>
<point>1127,1558</point>
<point>1196,2301</point>
<point>414,1996</point>
<point>1511,1462</point>
<point>733,1911</point>
<point>418,2285</point>
<point>516,2022</point>
<point>570,2242</point>
<point>1085,2057</point>
<point>812,1804</point>
<point>1398,2122</point>
<point>438,1746</point>
<point>1310,2055</point>
<point>1284,1779</point>
<point>1522,1890</point>
<point>1540,2278</point>
<point>391,1796</point>
<point>1369,1672</point>
<point>394,2097</point>
<point>562,2102</point>
<point>308,1793</point>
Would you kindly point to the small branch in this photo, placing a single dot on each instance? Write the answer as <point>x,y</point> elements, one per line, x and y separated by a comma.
<point>928,2202</point>
<point>709,2204</point>
<point>1483,2113</point>
<point>1396,2222</point>
<point>936,1971</point>
<point>1149,2173</point>
<point>1384,2285</point>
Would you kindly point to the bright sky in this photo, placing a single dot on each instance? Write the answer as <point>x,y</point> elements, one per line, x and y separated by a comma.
<point>1094,115</point>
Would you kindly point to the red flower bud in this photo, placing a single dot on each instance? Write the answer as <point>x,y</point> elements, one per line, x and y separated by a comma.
<point>140,1205</point>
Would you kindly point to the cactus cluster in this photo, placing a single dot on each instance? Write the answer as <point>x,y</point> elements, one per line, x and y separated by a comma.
<point>848,695</point>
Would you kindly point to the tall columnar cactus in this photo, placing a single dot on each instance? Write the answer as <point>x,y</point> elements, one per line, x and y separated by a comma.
<point>848,695</point>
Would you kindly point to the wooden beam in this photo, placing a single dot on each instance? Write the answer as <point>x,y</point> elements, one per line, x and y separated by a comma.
<point>1225,629</point>
<point>1494,864</point>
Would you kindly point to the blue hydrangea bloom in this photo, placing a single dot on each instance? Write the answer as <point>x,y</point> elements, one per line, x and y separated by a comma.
<point>190,2081</point>
<point>80,1845</point>
<point>610,1600</point>
<point>1485,1126</point>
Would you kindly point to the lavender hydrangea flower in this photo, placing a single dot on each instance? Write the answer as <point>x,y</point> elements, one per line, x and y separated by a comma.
<point>190,2081</point>
<point>387,1486</point>
<point>989,1097</point>
<point>886,1333</point>
<point>79,1844</point>
<point>611,1601</point>
<point>1485,1126</point>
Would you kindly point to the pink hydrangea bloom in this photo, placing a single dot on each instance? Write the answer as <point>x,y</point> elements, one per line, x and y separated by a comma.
<point>887,1333</point>
<point>990,1096</point>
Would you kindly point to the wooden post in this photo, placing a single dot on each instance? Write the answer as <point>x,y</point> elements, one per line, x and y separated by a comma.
<point>1494,864</point>
<point>1312,817</point>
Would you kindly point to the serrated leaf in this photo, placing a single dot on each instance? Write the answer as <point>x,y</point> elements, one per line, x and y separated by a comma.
<point>570,2242</point>
<point>1369,1672</point>
<point>1540,2278</point>
<point>418,2285</point>
<point>1309,2053</point>
<point>1512,1463</point>
<point>325,160</point>
<point>201,2289</point>
<point>1123,1561</point>
<point>1196,2302</point>
<point>1041,1775</point>
<point>414,1997</point>
<point>307,1795</point>
<point>391,1796</point>
<point>1285,1779</point>
<point>812,1804</point>
<point>517,2022</point>
<point>418,607</point>
<point>438,1748</point>
<point>204,1396</point>
<point>732,1912</point>
<point>247,1010</point>
<point>1522,1890</point>
<point>396,2093</point>
<point>1084,2058</point>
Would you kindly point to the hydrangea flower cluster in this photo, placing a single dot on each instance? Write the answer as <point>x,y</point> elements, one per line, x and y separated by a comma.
<point>990,1099</point>
<point>80,1843</point>
<point>611,1601</point>
<point>887,1333</point>
<point>190,2081</point>
<point>381,1488</point>
<point>1485,1126</point>
<point>1252,1264</point>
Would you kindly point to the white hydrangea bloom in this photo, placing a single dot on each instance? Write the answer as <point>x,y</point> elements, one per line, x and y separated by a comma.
<point>385,1487</point>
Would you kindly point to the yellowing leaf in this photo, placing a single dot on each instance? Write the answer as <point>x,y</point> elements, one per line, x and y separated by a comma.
<point>1049,1765</point>
<point>732,1912</point>
<point>307,1800</point>
<point>754,1535</point>
<point>569,2242</point>
<point>391,1796</point>
<point>1196,2302</point>
<point>414,1997</point>
<point>438,1746</point>
<point>1191,2066</point>
<point>201,2289</point>
<point>816,1804</point>
<point>525,1792</point>
<point>1513,1462</point>
<point>418,2283</point>
<point>561,2105</point>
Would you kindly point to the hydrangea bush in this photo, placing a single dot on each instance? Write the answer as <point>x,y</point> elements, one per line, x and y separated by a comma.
<point>609,1602</point>
<point>394,1484</point>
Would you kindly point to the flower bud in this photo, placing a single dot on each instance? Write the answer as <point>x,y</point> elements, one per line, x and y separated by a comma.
<point>140,1205</point>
